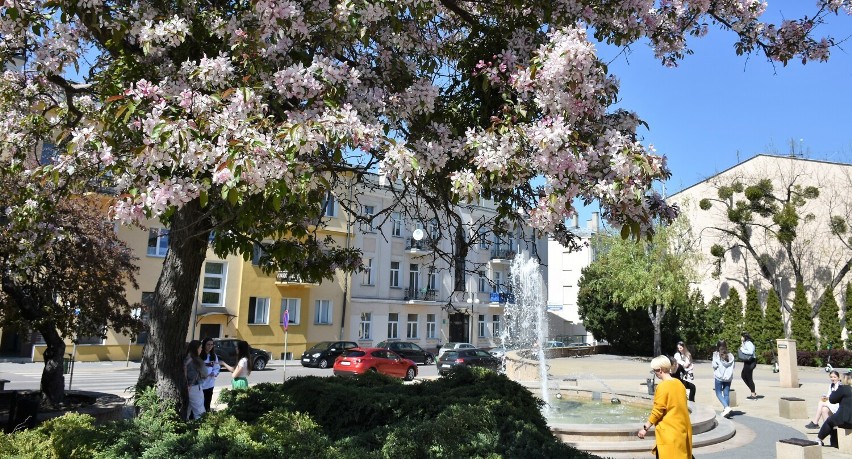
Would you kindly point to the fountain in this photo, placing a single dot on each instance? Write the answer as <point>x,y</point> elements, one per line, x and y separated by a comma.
<point>526,331</point>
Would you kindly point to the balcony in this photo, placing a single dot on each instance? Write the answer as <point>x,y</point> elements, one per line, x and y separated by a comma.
<point>283,278</point>
<point>501,255</point>
<point>419,248</point>
<point>502,297</point>
<point>420,294</point>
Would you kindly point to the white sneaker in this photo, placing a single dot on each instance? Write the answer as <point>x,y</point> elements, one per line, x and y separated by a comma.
<point>726,411</point>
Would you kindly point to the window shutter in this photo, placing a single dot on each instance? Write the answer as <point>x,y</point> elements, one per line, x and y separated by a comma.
<point>252,309</point>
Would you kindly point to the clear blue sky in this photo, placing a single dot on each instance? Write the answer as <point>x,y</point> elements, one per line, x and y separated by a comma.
<point>717,109</point>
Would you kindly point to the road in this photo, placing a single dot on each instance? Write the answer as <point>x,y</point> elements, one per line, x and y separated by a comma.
<point>119,377</point>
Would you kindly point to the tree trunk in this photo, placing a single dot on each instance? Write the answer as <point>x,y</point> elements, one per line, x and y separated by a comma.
<point>52,377</point>
<point>656,317</point>
<point>172,305</point>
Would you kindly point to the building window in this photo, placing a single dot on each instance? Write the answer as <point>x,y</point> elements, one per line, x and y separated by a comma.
<point>482,328</point>
<point>432,283</point>
<point>393,325</point>
<point>411,327</point>
<point>364,328</point>
<point>294,306</point>
<point>498,282</point>
<point>213,290</point>
<point>258,313</point>
<point>158,242</point>
<point>394,274</point>
<point>396,222</point>
<point>483,238</point>
<point>368,271</point>
<point>483,282</point>
<point>369,212</point>
<point>256,253</point>
<point>431,326</point>
<point>323,313</point>
<point>413,278</point>
<point>330,205</point>
<point>495,325</point>
<point>434,229</point>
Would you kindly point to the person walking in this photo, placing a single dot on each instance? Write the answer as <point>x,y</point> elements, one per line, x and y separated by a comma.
<point>826,408</point>
<point>195,374</point>
<point>212,366</point>
<point>723,373</point>
<point>242,369</point>
<point>747,355</point>
<point>684,359</point>
<point>843,416</point>
<point>670,415</point>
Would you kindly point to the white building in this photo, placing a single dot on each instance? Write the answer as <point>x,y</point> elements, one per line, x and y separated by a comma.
<point>563,277</point>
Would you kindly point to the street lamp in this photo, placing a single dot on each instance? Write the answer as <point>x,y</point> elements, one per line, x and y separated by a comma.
<point>472,299</point>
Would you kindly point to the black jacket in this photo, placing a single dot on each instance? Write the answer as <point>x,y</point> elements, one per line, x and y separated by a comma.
<point>843,396</point>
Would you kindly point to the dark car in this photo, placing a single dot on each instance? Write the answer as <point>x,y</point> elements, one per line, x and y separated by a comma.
<point>323,354</point>
<point>410,351</point>
<point>468,357</point>
<point>358,361</point>
<point>226,349</point>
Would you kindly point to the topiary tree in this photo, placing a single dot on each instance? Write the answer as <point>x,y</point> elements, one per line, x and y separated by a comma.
<point>829,322</point>
<point>773,321</point>
<point>753,317</point>
<point>801,321</point>
<point>732,319</point>
<point>700,324</point>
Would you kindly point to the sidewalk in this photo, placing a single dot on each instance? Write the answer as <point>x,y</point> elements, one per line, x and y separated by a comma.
<point>758,422</point>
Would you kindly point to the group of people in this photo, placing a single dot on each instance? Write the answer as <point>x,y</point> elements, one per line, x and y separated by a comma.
<point>834,407</point>
<point>201,366</point>
<point>670,413</point>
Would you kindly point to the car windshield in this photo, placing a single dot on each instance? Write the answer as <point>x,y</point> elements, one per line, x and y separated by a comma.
<point>382,344</point>
<point>450,355</point>
<point>321,346</point>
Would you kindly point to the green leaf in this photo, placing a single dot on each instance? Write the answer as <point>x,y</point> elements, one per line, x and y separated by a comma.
<point>233,196</point>
<point>625,231</point>
<point>203,198</point>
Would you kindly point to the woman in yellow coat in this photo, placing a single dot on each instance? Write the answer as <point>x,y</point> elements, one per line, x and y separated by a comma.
<point>670,415</point>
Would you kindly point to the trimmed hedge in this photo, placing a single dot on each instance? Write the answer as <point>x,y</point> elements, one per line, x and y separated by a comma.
<point>469,414</point>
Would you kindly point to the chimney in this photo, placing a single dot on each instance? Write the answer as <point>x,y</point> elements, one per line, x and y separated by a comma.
<point>594,222</point>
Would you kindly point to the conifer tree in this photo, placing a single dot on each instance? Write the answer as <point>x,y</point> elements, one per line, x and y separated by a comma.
<point>732,319</point>
<point>829,322</point>
<point>753,319</point>
<point>773,320</point>
<point>801,322</point>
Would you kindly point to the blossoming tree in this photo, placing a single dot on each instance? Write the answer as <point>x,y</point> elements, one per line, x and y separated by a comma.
<point>237,118</point>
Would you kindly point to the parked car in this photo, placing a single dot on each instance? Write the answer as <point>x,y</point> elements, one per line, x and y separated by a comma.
<point>358,361</point>
<point>498,352</point>
<point>579,345</point>
<point>410,351</point>
<point>226,349</point>
<point>323,354</point>
<point>468,357</point>
<point>554,344</point>
<point>452,345</point>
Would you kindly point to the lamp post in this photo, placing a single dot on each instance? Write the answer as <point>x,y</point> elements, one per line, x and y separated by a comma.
<point>472,300</point>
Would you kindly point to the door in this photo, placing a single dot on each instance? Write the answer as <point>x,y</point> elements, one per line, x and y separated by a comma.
<point>209,330</point>
<point>459,328</point>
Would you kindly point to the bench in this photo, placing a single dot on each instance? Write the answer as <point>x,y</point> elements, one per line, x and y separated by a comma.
<point>3,383</point>
<point>797,448</point>
<point>792,408</point>
<point>844,440</point>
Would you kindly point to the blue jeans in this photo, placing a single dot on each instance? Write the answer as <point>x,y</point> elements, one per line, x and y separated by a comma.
<point>723,392</point>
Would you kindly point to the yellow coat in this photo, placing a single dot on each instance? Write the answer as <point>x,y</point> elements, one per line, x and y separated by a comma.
<point>670,415</point>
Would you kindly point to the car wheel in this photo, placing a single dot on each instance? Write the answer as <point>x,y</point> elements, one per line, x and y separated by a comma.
<point>410,374</point>
<point>429,360</point>
<point>259,364</point>
<point>323,363</point>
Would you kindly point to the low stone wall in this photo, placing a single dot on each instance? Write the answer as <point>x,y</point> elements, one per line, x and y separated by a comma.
<point>520,367</point>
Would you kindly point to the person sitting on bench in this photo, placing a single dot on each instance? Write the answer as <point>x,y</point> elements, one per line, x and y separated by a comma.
<point>843,417</point>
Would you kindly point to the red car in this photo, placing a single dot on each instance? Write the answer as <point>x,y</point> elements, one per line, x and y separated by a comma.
<point>360,360</point>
